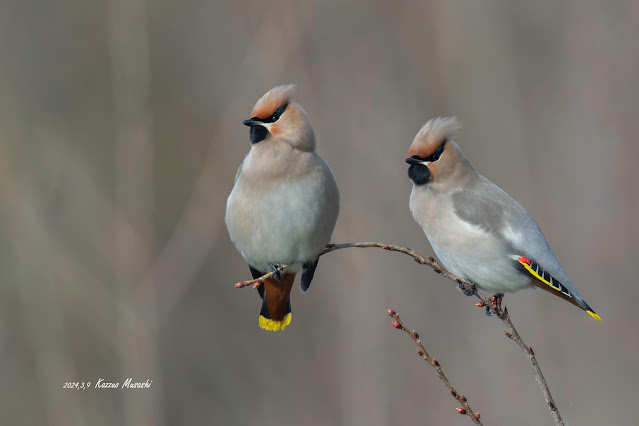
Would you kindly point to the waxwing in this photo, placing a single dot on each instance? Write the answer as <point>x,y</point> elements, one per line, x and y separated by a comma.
<point>477,231</point>
<point>284,204</point>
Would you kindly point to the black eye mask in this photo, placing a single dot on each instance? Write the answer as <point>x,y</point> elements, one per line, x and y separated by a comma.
<point>259,132</point>
<point>274,117</point>
<point>434,156</point>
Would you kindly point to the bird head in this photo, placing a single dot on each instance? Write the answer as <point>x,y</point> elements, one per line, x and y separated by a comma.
<point>433,156</point>
<point>275,116</point>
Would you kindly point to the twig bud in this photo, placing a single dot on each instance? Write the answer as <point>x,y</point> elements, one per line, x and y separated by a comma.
<point>480,304</point>
<point>415,334</point>
<point>508,334</point>
<point>477,416</point>
<point>458,281</point>
<point>238,285</point>
<point>419,351</point>
<point>397,325</point>
<point>416,259</point>
<point>461,410</point>
<point>463,398</point>
<point>431,258</point>
<point>437,271</point>
<point>435,362</point>
<point>386,248</point>
<point>391,312</point>
<point>493,299</point>
<point>257,285</point>
<point>453,392</point>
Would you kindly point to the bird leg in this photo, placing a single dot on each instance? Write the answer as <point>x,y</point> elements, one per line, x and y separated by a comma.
<point>276,268</point>
<point>470,292</point>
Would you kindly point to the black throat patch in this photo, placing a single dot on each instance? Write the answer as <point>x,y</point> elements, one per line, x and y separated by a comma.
<point>419,174</point>
<point>258,133</point>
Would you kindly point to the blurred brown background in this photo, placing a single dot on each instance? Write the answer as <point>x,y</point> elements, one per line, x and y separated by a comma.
<point>120,135</point>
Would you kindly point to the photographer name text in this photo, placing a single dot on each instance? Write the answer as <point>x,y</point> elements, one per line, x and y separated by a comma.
<point>129,383</point>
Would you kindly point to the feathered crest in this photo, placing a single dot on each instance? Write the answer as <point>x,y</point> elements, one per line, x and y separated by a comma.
<point>438,129</point>
<point>273,99</point>
<point>432,135</point>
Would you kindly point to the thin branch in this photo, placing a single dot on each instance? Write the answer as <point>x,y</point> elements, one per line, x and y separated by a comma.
<point>259,281</point>
<point>494,304</point>
<point>465,408</point>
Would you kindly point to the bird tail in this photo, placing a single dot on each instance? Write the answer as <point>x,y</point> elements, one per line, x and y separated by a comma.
<point>276,303</point>
<point>547,282</point>
<point>583,305</point>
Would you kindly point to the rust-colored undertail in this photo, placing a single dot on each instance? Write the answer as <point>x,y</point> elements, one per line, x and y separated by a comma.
<point>276,303</point>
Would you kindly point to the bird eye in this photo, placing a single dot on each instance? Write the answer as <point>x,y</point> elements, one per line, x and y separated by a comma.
<point>278,113</point>
<point>438,152</point>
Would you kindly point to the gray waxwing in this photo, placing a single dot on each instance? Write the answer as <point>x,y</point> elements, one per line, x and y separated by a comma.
<point>284,204</point>
<point>477,231</point>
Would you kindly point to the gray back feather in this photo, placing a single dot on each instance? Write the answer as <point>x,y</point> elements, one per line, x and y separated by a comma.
<point>475,208</point>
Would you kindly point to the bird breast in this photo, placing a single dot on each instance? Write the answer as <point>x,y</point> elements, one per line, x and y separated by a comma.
<point>287,216</point>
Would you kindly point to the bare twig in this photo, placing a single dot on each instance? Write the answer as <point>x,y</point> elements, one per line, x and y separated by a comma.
<point>465,408</point>
<point>259,281</point>
<point>494,304</point>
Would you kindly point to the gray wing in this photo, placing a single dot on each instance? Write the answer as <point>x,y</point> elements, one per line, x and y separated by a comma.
<point>488,206</point>
<point>472,207</point>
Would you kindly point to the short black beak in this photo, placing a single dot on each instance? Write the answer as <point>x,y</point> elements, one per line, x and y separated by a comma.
<point>250,122</point>
<point>411,160</point>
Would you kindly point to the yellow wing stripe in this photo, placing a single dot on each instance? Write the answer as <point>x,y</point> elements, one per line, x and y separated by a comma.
<point>536,275</point>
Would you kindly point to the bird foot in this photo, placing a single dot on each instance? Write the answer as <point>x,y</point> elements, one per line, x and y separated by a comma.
<point>276,268</point>
<point>470,292</point>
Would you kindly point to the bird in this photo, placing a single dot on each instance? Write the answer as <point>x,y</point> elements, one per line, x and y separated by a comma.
<point>478,231</point>
<point>284,203</point>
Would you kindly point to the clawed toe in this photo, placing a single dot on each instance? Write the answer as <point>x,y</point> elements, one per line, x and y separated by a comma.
<point>466,292</point>
<point>276,268</point>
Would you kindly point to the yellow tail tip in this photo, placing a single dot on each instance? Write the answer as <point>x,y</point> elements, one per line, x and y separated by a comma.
<point>594,315</point>
<point>272,325</point>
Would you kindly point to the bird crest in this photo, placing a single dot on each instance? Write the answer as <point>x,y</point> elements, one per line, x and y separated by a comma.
<point>433,134</point>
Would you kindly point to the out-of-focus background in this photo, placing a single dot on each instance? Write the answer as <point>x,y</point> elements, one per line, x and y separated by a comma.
<point>120,135</point>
